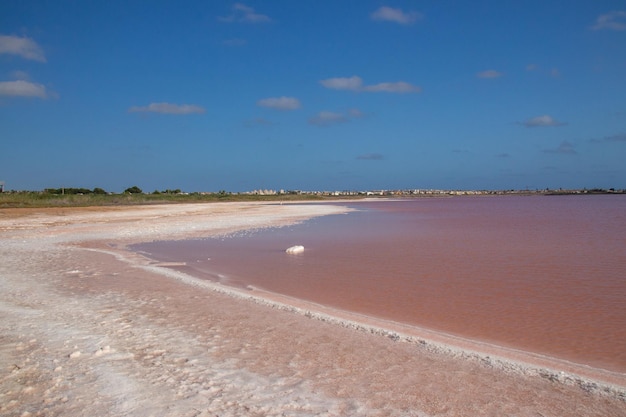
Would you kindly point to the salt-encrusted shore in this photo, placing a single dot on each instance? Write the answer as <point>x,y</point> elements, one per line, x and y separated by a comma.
<point>89,328</point>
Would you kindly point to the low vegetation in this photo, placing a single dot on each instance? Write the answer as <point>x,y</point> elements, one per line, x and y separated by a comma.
<point>81,197</point>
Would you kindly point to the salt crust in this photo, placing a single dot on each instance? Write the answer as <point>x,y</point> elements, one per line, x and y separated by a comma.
<point>489,360</point>
<point>43,233</point>
<point>477,354</point>
<point>97,355</point>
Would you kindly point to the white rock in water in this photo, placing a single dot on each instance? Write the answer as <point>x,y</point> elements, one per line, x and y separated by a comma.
<point>295,249</point>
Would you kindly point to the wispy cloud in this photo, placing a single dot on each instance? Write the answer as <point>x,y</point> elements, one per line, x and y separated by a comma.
<point>24,47</point>
<point>565,148</point>
<point>356,113</point>
<point>542,121</point>
<point>243,13</point>
<point>328,118</point>
<point>489,74</point>
<point>280,103</point>
<point>620,137</point>
<point>259,121</point>
<point>20,75</point>
<point>397,87</point>
<point>22,88</point>
<point>167,108</point>
<point>615,20</point>
<point>371,157</point>
<point>355,83</point>
<point>389,14</point>
<point>553,72</point>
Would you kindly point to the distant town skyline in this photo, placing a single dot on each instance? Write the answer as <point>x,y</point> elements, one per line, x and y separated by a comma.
<point>313,95</point>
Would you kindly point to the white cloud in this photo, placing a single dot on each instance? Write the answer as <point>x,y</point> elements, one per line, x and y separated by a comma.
<point>20,75</point>
<point>489,74</point>
<point>620,137</point>
<point>616,138</point>
<point>397,87</point>
<point>565,148</point>
<point>356,113</point>
<point>389,14</point>
<point>249,15</point>
<point>24,47</point>
<point>554,72</point>
<point>167,108</point>
<point>615,20</point>
<point>355,83</point>
<point>259,121</point>
<point>542,121</point>
<point>327,118</point>
<point>22,88</point>
<point>280,103</point>
<point>243,13</point>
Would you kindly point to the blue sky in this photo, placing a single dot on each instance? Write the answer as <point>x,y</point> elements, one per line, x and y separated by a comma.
<point>312,95</point>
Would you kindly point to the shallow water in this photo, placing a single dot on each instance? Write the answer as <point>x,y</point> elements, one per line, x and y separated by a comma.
<point>541,274</point>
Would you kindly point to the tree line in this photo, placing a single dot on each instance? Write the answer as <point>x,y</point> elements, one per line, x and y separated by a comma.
<point>85,191</point>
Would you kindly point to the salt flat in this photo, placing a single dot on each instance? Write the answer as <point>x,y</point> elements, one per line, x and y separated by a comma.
<point>88,328</point>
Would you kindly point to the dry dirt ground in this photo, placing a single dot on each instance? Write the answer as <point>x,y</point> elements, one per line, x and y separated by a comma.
<point>90,329</point>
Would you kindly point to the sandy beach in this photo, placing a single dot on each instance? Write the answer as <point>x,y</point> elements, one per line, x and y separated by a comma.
<point>89,328</point>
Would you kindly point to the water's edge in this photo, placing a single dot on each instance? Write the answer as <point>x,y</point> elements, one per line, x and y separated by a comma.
<point>591,380</point>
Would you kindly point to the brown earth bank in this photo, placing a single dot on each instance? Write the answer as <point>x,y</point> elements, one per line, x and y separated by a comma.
<point>88,328</point>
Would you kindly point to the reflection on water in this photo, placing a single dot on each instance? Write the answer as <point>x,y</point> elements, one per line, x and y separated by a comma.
<point>544,274</point>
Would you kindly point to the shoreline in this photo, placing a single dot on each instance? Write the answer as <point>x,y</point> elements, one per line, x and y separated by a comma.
<point>71,287</point>
<point>510,359</point>
<point>507,359</point>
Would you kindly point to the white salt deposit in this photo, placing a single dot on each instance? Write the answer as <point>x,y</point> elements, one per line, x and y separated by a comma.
<point>295,249</point>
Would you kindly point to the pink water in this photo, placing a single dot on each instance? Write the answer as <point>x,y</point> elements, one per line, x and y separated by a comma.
<point>541,274</point>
